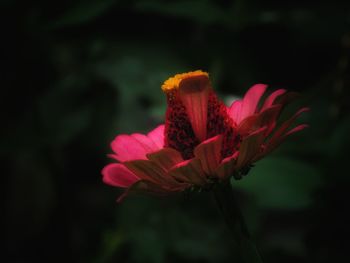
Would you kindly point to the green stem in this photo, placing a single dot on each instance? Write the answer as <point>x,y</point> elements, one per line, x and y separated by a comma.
<point>226,201</point>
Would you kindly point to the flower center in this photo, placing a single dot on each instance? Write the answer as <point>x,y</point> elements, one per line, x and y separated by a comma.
<point>173,82</point>
<point>195,114</point>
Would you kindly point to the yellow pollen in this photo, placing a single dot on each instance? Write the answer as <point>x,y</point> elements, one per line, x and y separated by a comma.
<point>173,82</point>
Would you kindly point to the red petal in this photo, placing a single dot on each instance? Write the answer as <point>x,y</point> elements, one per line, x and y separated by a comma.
<point>189,171</point>
<point>194,93</point>
<point>266,118</point>
<point>250,147</point>
<point>149,171</point>
<point>288,123</point>
<point>227,166</point>
<point>251,100</point>
<point>296,129</point>
<point>117,174</point>
<point>166,158</point>
<point>248,125</point>
<point>209,153</point>
<point>280,133</point>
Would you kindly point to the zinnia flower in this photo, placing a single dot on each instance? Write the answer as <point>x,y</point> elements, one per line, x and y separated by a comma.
<point>202,141</point>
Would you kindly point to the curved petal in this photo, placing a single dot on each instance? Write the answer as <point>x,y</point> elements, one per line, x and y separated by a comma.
<point>136,146</point>
<point>271,98</point>
<point>267,117</point>
<point>273,144</point>
<point>116,174</point>
<point>296,129</point>
<point>280,134</point>
<point>251,100</point>
<point>209,153</point>
<point>189,171</point>
<point>285,126</point>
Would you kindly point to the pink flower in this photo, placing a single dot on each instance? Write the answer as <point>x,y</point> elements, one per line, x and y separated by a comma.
<point>202,141</point>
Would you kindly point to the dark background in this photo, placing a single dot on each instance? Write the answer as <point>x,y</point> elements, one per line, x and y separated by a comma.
<point>77,73</point>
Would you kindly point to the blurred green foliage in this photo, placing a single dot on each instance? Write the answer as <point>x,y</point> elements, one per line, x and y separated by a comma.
<point>77,73</point>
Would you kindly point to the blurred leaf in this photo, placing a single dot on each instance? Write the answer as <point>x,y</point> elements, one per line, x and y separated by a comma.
<point>281,183</point>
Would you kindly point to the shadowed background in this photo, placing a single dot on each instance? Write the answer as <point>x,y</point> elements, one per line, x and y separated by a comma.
<point>77,73</point>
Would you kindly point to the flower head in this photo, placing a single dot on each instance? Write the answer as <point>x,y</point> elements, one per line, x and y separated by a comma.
<point>202,141</point>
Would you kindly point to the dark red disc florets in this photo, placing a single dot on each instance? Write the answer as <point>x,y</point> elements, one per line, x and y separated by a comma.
<point>219,122</point>
<point>179,134</point>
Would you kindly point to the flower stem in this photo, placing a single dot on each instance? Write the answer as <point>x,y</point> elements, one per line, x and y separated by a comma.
<point>226,201</point>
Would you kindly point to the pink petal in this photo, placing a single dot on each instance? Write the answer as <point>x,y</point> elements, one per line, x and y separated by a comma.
<point>194,93</point>
<point>136,146</point>
<point>157,136</point>
<point>149,171</point>
<point>146,142</point>
<point>166,158</point>
<point>250,147</point>
<point>209,153</point>
<point>189,171</point>
<point>128,148</point>
<point>251,100</point>
<point>117,174</point>
<point>235,111</point>
<point>271,99</point>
